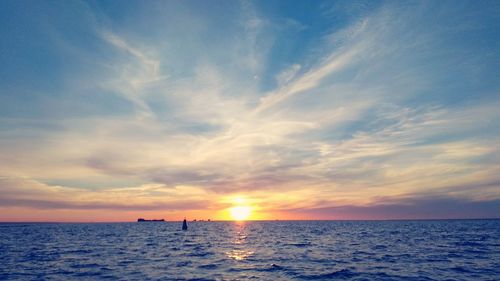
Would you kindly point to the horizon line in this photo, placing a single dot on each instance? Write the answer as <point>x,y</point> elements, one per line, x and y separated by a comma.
<point>275,220</point>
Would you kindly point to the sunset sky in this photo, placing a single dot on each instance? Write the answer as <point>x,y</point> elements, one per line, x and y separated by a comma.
<point>114,110</point>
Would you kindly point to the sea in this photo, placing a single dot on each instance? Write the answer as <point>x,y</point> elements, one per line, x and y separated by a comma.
<point>254,250</point>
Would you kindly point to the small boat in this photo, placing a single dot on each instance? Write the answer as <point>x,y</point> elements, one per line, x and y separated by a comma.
<point>184,225</point>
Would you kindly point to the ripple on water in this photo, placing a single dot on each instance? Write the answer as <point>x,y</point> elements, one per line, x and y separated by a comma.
<point>406,250</point>
<point>208,266</point>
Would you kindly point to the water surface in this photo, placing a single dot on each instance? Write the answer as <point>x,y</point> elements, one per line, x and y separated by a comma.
<point>280,250</point>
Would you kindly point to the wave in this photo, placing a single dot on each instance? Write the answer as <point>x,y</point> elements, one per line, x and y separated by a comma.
<point>407,250</point>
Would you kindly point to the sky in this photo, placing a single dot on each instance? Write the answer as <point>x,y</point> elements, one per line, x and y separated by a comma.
<point>115,110</point>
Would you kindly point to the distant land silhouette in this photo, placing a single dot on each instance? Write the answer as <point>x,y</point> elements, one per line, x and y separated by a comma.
<point>145,220</point>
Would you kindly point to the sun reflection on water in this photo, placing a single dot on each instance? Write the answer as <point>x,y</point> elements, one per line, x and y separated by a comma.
<point>240,251</point>
<point>239,255</point>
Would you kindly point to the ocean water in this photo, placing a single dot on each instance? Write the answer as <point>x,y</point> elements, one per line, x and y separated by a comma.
<point>277,250</point>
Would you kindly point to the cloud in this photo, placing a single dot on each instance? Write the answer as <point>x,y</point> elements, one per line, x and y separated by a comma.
<point>421,208</point>
<point>28,193</point>
<point>365,111</point>
<point>310,79</point>
<point>135,74</point>
<point>153,65</point>
<point>178,205</point>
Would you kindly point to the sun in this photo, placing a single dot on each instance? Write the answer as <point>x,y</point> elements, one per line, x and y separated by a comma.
<point>240,213</point>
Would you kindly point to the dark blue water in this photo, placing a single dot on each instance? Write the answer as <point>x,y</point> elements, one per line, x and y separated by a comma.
<point>281,250</point>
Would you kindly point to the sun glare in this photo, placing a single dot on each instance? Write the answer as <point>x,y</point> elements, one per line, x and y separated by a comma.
<point>240,213</point>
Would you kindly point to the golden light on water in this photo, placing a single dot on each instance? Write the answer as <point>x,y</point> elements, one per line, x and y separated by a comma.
<point>239,255</point>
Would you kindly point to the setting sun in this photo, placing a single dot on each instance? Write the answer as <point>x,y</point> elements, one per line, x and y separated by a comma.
<point>268,140</point>
<point>240,213</point>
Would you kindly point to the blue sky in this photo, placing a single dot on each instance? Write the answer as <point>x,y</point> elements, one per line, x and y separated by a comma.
<point>305,109</point>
